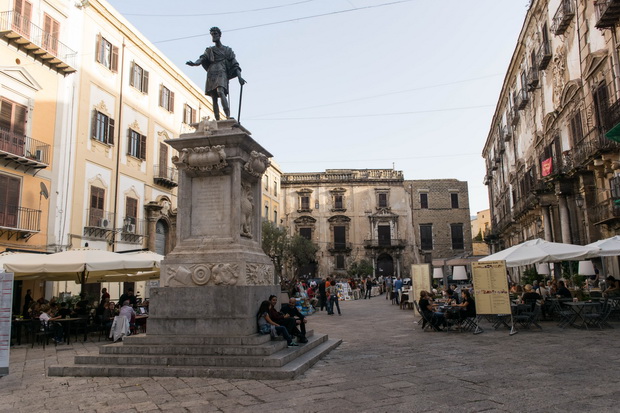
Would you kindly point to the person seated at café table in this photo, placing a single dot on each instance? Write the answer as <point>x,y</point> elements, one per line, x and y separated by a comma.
<point>613,287</point>
<point>128,312</point>
<point>436,318</point>
<point>562,291</point>
<point>129,296</point>
<point>47,320</point>
<point>64,311</point>
<point>530,295</point>
<point>467,306</point>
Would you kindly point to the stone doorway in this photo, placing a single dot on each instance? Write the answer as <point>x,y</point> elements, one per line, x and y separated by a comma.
<point>385,265</point>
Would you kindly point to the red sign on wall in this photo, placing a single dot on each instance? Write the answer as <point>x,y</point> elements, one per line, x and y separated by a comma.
<point>547,166</point>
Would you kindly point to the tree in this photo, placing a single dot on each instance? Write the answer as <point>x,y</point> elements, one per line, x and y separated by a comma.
<point>300,253</point>
<point>362,268</point>
<point>275,244</point>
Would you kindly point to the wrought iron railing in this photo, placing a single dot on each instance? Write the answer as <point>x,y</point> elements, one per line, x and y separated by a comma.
<point>604,211</point>
<point>97,218</point>
<point>20,218</point>
<point>24,146</point>
<point>385,243</point>
<point>167,175</point>
<point>608,12</point>
<point>14,21</point>
<point>544,54</point>
<point>562,17</point>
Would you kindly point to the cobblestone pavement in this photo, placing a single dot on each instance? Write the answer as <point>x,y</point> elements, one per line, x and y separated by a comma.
<point>386,363</point>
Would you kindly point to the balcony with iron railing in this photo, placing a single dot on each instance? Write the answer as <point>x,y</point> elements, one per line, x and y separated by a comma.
<point>522,99</point>
<point>513,116</point>
<point>19,31</point>
<point>505,133</point>
<point>22,151</point>
<point>544,54</point>
<point>590,147</point>
<point>608,12</point>
<point>99,223</point>
<point>533,78</point>
<point>339,247</point>
<point>562,17</point>
<point>18,221</point>
<point>385,243</point>
<point>166,176</point>
<point>604,212</point>
<point>133,229</point>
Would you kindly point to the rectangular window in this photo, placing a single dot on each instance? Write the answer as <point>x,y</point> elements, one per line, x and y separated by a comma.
<point>131,215</point>
<point>189,114</point>
<point>9,200</point>
<point>576,128</point>
<point>275,217</point>
<point>338,204</point>
<point>275,188</point>
<point>340,238</point>
<point>136,145</point>
<point>166,98</point>
<point>384,234</point>
<point>51,31</point>
<point>139,78</point>
<point>426,236</point>
<point>305,202</point>
<point>423,200</point>
<point>95,216</point>
<point>266,212</point>
<point>454,199</point>
<point>456,231</point>
<point>102,128</point>
<point>306,233</point>
<point>106,53</point>
<point>266,182</point>
<point>12,127</point>
<point>340,262</point>
<point>383,201</point>
<point>21,17</point>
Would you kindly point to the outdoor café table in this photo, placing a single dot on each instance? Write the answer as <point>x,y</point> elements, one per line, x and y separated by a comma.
<point>579,309</point>
<point>71,323</point>
<point>16,328</point>
<point>140,320</point>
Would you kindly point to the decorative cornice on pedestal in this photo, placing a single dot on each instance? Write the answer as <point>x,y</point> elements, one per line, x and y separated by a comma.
<point>202,160</point>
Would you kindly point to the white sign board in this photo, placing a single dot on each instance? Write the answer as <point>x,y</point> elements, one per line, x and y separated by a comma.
<point>6,304</point>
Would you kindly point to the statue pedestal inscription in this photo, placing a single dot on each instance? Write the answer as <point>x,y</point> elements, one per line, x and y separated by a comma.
<point>212,283</point>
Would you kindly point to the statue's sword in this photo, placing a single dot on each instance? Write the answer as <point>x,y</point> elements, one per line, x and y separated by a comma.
<point>240,98</point>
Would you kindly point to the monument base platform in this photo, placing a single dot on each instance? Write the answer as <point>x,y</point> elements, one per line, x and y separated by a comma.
<point>254,357</point>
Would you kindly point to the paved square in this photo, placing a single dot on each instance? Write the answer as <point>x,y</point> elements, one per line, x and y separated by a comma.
<point>386,363</point>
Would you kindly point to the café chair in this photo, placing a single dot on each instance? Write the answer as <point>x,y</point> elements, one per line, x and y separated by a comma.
<point>39,332</point>
<point>426,320</point>
<point>598,318</point>
<point>565,316</point>
<point>527,318</point>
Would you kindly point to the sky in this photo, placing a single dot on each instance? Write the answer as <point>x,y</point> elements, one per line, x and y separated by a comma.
<point>354,84</point>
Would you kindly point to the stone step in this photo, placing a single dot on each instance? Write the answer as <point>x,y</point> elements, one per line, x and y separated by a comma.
<point>150,340</point>
<point>263,349</point>
<point>275,359</point>
<point>299,363</point>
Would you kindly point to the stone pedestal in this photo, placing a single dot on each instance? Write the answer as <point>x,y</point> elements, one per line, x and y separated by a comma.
<point>217,275</point>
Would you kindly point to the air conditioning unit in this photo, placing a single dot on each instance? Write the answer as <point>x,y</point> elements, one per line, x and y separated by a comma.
<point>38,155</point>
<point>105,223</point>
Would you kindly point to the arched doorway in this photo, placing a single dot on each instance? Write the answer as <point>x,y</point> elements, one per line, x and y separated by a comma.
<point>385,265</point>
<point>161,237</point>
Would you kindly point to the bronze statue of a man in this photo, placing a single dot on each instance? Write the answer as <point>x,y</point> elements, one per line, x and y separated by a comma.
<point>221,65</point>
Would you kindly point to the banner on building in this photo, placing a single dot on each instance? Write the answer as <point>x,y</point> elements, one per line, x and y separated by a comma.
<point>491,287</point>
<point>547,166</point>
<point>420,279</point>
<point>6,305</point>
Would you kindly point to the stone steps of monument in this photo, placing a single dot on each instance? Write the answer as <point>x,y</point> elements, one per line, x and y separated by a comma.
<point>300,359</point>
<point>277,358</point>
<point>151,340</point>
<point>145,346</point>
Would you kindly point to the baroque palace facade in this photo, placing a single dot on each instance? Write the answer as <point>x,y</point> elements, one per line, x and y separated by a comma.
<point>87,104</point>
<point>375,214</point>
<point>551,168</point>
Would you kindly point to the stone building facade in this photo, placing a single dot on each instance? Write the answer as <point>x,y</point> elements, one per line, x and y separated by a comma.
<point>553,170</point>
<point>372,214</point>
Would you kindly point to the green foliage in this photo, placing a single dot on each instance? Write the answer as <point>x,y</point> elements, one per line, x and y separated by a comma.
<point>287,252</point>
<point>478,238</point>
<point>359,269</point>
<point>530,275</point>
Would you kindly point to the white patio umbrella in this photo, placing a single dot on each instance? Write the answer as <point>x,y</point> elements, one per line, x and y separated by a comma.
<point>77,265</point>
<point>539,250</point>
<point>607,247</point>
